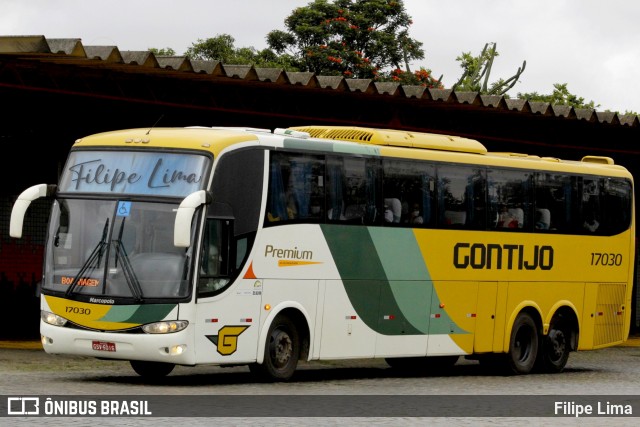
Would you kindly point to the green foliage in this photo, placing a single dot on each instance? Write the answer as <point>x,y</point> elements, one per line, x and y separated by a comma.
<point>477,70</point>
<point>218,48</point>
<point>167,51</point>
<point>222,48</point>
<point>352,38</point>
<point>559,96</point>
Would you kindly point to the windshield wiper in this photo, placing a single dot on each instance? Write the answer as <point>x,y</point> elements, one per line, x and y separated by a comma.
<point>96,254</point>
<point>127,270</point>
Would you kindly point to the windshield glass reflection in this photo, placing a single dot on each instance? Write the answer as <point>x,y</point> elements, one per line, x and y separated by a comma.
<point>116,249</point>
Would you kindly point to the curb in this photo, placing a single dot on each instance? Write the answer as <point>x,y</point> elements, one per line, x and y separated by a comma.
<point>21,345</point>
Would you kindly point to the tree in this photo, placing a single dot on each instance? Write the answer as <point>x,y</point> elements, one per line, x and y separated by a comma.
<point>353,38</point>
<point>477,69</point>
<point>559,96</point>
<point>219,48</point>
<point>166,51</point>
<point>222,48</point>
<point>422,77</point>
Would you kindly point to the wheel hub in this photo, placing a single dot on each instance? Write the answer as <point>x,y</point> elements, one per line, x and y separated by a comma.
<point>283,348</point>
<point>557,343</point>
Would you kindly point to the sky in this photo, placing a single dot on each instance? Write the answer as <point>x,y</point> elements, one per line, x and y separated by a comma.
<point>591,45</point>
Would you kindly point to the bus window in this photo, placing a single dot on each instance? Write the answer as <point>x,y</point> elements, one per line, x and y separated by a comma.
<point>462,196</point>
<point>556,197</point>
<point>296,188</point>
<point>509,194</point>
<point>214,259</point>
<point>352,190</point>
<point>616,205</point>
<point>591,207</point>
<point>409,187</point>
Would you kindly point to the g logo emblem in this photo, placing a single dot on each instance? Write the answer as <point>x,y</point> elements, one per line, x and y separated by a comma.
<point>227,339</point>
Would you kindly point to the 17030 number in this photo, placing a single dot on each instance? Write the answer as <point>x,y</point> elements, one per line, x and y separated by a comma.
<point>78,310</point>
<point>606,259</point>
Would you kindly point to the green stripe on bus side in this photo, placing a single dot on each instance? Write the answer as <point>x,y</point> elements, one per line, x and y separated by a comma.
<point>331,147</point>
<point>363,275</point>
<point>399,253</point>
<point>411,287</point>
<point>139,314</point>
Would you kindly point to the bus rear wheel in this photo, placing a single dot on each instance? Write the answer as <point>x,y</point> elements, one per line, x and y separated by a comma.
<point>523,345</point>
<point>281,353</point>
<point>151,370</point>
<point>554,352</point>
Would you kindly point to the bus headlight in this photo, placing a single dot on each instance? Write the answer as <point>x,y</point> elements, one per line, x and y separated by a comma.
<point>166,327</point>
<point>52,319</point>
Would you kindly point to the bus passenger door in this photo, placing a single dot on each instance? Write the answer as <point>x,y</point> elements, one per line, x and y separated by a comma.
<point>227,310</point>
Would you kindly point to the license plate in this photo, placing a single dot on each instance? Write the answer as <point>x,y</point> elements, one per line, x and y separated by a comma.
<point>103,346</point>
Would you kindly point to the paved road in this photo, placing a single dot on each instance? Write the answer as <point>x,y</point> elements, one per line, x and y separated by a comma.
<point>25,370</point>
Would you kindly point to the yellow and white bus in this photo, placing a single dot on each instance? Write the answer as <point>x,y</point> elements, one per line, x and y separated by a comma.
<point>230,246</point>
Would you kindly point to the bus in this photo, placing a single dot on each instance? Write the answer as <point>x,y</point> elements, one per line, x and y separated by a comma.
<point>257,247</point>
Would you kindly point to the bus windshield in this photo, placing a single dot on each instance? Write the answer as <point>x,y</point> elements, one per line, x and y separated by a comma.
<point>111,248</point>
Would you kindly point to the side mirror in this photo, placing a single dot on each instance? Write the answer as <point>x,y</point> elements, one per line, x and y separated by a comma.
<point>22,204</point>
<point>184,217</point>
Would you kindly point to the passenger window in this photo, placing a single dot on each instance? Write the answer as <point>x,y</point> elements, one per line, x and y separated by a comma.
<point>616,205</point>
<point>509,199</point>
<point>352,190</point>
<point>296,188</point>
<point>462,196</point>
<point>557,202</point>
<point>409,193</point>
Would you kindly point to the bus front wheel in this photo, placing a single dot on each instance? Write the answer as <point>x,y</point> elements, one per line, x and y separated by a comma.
<point>523,345</point>
<point>151,370</point>
<point>281,353</point>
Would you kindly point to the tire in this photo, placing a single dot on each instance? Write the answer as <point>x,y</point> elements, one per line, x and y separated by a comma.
<point>555,349</point>
<point>151,370</point>
<point>523,345</point>
<point>281,352</point>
